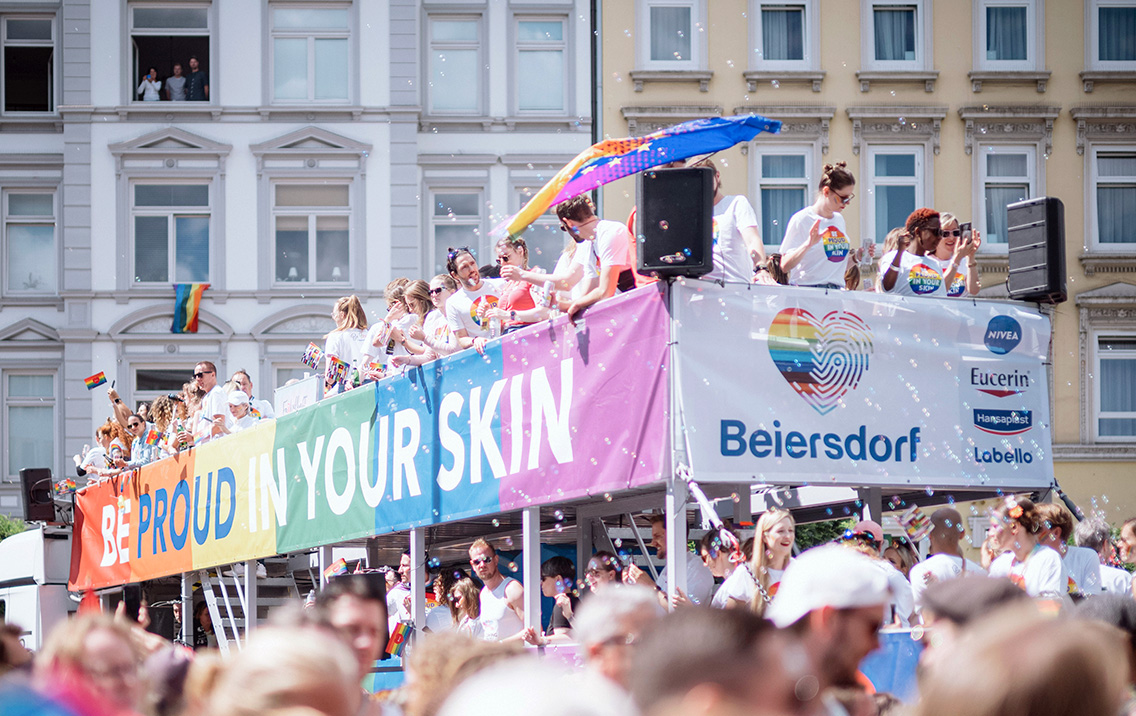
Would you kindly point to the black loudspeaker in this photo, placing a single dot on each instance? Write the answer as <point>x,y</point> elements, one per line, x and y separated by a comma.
<point>1036,235</point>
<point>39,505</point>
<point>675,222</point>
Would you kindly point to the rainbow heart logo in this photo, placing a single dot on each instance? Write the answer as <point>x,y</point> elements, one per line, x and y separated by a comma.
<point>823,358</point>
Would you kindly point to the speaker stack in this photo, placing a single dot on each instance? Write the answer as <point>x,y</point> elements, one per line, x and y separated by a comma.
<point>36,486</point>
<point>1036,237</point>
<point>675,222</point>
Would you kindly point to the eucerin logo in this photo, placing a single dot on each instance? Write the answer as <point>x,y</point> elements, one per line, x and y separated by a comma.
<point>1000,384</point>
<point>1003,334</point>
<point>1003,422</point>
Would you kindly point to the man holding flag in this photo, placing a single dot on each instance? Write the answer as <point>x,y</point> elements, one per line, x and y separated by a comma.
<point>144,449</point>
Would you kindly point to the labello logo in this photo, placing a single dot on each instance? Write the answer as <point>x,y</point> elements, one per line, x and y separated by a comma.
<point>1003,334</point>
<point>1017,456</point>
<point>1003,422</point>
<point>1000,384</point>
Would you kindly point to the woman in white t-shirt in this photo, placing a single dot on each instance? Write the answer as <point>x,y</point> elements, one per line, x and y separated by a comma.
<point>434,333</point>
<point>912,269</point>
<point>966,280</point>
<point>416,296</point>
<point>465,608</point>
<point>816,247</point>
<point>1015,528</point>
<point>344,344</point>
<point>772,549</point>
<point>737,241</point>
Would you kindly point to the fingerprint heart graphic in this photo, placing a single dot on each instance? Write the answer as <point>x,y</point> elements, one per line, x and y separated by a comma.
<point>823,358</point>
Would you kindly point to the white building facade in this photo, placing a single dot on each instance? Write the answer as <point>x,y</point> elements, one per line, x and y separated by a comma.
<point>341,144</point>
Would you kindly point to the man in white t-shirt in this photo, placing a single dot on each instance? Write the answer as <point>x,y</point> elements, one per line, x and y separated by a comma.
<point>737,242</point>
<point>1082,563</point>
<point>464,308</point>
<point>259,409</point>
<point>214,407</point>
<point>603,254</point>
<point>699,579</point>
<point>1096,535</point>
<point>945,560</point>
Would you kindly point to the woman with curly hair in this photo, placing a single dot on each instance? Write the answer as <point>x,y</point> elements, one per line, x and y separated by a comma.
<point>1015,528</point>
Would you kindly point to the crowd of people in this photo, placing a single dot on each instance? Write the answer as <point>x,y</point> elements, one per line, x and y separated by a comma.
<point>759,630</point>
<point>203,410</point>
<point>178,86</point>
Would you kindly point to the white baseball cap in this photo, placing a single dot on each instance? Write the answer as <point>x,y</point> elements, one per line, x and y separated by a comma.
<point>827,576</point>
<point>238,397</point>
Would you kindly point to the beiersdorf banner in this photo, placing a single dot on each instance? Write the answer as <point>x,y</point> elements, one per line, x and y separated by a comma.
<point>803,386</point>
<point>551,413</point>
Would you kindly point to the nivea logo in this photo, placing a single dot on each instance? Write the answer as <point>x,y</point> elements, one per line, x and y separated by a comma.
<point>1003,334</point>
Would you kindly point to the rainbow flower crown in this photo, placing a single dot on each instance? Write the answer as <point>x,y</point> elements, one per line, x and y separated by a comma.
<point>1013,509</point>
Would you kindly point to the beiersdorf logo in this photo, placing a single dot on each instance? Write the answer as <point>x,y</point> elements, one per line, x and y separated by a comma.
<point>1000,384</point>
<point>821,358</point>
<point>1003,334</point>
<point>1003,422</point>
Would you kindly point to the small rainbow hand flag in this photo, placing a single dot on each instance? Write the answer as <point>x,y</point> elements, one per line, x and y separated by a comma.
<point>312,356</point>
<point>186,306</point>
<point>95,380</point>
<point>398,639</point>
<point>335,569</point>
<point>153,437</point>
<point>915,523</point>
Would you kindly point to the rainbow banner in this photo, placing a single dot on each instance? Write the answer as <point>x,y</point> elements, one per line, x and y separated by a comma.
<point>335,569</point>
<point>613,159</point>
<point>399,637</point>
<point>95,380</point>
<point>186,306</point>
<point>549,413</point>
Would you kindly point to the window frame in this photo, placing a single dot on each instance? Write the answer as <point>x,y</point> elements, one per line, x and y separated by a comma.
<point>810,37</point>
<point>981,171</point>
<point>565,46</point>
<point>133,73</point>
<point>1093,154</point>
<point>924,55</point>
<point>1092,38</point>
<point>1035,38</point>
<point>1097,337</point>
<point>921,181</point>
<point>810,151</point>
<point>312,213</point>
<point>55,64</point>
<point>172,213</point>
<point>311,35</point>
<point>428,49</point>
<point>5,241</point>
<point>521,192</point>
<point>698,45</point>
<point>9,402</point>
<point>479,225</point>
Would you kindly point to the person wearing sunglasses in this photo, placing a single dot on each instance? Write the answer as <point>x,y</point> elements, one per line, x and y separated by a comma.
<point>434,333</point>
<point>966,280</point>
<point>815,246</point>
<point>502,598</point>
<point>214,406</point>
<point>522,303</point>
<point>464,310</point>
<point>915,271</point>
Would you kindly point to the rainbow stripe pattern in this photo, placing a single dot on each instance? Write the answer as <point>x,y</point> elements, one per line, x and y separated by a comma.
<point>95,380</point>
<point>399,637</point>
<point>822,359</point>
<point>186,306</point>
<point>613,159</point>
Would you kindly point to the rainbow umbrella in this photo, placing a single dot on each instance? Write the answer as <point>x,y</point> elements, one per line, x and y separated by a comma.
<point>613,159</point>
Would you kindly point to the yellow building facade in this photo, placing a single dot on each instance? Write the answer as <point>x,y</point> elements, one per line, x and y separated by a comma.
<point>960,105</point>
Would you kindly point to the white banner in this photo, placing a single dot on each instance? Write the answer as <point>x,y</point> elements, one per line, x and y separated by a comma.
<point>802,386</point>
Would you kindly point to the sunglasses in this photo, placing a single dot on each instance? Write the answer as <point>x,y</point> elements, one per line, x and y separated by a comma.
<point>845,200</point>
<point>453,252</point>
<point>945,232</point>
<point>205,373</point>
<point>134,425</point>
<point>436,291</point>
<point>478,561</point>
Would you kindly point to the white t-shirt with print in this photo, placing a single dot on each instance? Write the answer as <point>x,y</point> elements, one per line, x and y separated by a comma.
<point>738,587</point>
<point>438,331</point>
<point>1083,565</point>
<point>732,261</point>
<point>1041,574</point>
<point>462,307</point>
<point>216,402</point>
<point>957,287</point>
<point>825,261</point>
<point>918,275</point>
<point>379,331</point>
<point>610,247</point>
<point>943,567</point>
<point>347,346</point>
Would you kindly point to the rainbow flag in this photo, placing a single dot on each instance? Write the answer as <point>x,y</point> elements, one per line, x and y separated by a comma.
<point>312,356</point>
<point>398,639</point>
<point>335,569</point>
<point>153,436</point>
<point>186,306</point>
<point>95,380</point>
<point>613,159</point>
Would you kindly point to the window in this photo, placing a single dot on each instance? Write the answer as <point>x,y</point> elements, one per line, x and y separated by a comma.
<point>29,64</point>
<point>455,221</point>
<point>149,383</point>
<point>310,54</point>
<point>1112,34</point>
<point>672,32</point>
<point>896,36</point>
<point>313,233</point>
<point>1007,177</point>
<point>541,65</point>
<point>29,406</point>
<point>894,186</point>
<point>1006,35</point>
<point>31,255</point>
<point>1116,388</point>
<point>782,35</point>
<point>171,233</point>
<point>544,239</point>
<point>1113,198</point>
<point>455,84</point>
<point>783,189</point>
<point>168,34</point>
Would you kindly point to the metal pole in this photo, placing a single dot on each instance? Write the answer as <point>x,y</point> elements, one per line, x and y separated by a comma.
<point>324,561</point>
<point>418,578</point>
<point>250,597</point>
<point>676,537</point>
<point>643,548</point>
<point>186,610</point>
<point>530,564</point>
